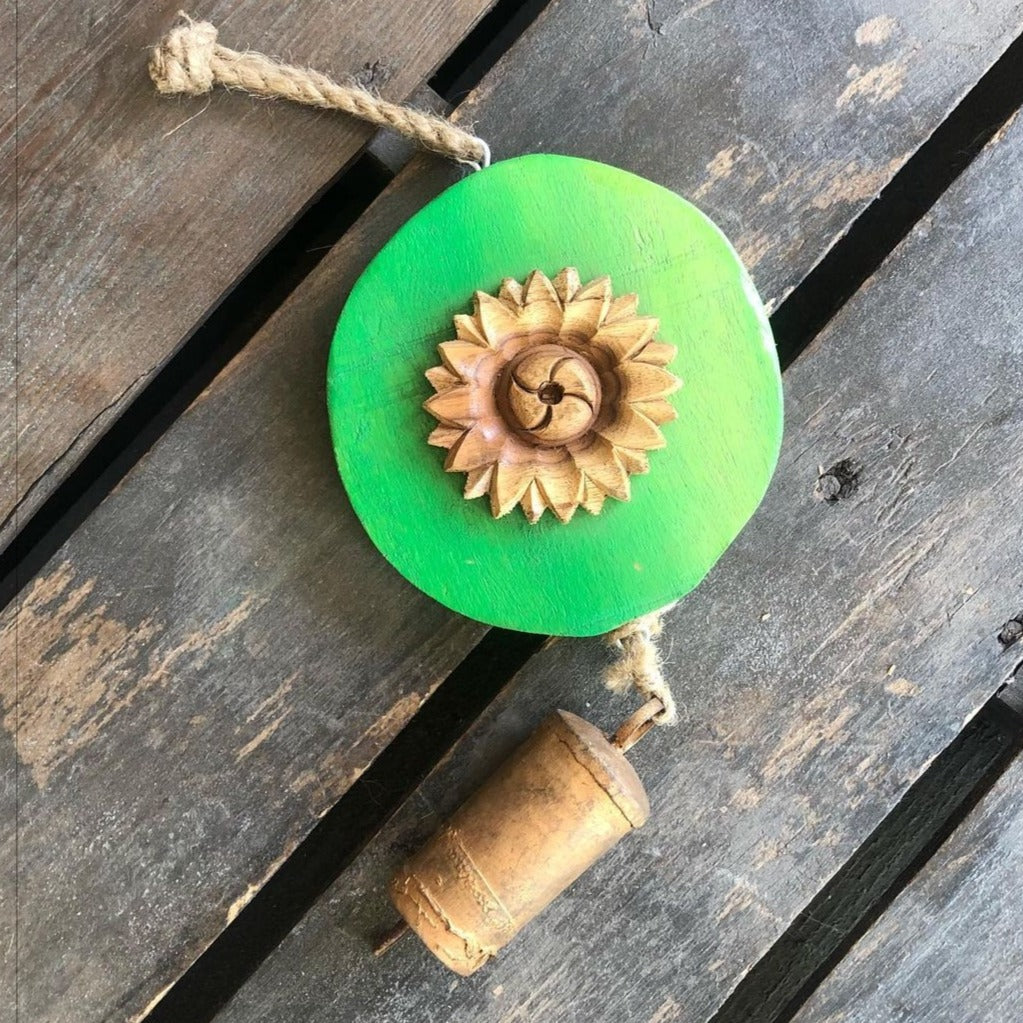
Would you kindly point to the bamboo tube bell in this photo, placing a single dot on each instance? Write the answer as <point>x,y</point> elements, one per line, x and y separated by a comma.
<point>561,800</point>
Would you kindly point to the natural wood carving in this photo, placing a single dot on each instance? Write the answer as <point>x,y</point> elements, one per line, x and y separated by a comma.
<point>551,395</point>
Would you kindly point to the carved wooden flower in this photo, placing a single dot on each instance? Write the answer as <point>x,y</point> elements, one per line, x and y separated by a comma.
<point>551,395</point>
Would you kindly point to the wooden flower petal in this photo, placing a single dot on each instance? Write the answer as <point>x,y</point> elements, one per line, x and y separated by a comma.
<point>445,436</point>
<point>624,339</point>
<point>507,487</point>
<point>538,288</point>
<point>622,308</point>
<point>584,314</point>
<point>533,503</point>
<point>467,328</point>
<point>453,406</point>
<point>462,357</point>
<point>630,429</point>
<point>657,411</point>
<point>477,482</point>
<point>634,461</point>
<point>599,463</point>
<point>641,382</point>
<point>474,450</point>
<point>498,322</point>
<point>442,378</point>
<point>593,498</point>
<point>656,353</point>
<point>612,479</point>
<point>542,309</point>
<point>599,288</point>
<point>561,486</point>
<point>511,292</point>
<point>566,284</point>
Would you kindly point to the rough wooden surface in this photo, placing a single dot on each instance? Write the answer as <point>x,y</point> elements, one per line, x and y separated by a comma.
<point>8,429</point>
<point>834,651</point>
<point>219,651</point>
<point>8,234</point>
<point>133,223</point>
<point>950,947</point>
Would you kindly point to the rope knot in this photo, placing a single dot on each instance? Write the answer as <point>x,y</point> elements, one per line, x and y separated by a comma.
<point>182,62</point>
<point>640,663</point>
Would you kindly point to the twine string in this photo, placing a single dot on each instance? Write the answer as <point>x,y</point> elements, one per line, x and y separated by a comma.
<point>639,665</point>
<point>189,61</point>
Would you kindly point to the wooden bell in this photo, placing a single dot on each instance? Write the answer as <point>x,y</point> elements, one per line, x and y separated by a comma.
<point>562,799</point>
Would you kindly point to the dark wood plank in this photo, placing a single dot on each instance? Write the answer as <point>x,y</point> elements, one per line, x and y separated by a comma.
<point>950,947</point>
<point>8,430</point>
<point>134,223</point>
<point>833,652</point>
<point>218,652</point>
<point>8,249</point>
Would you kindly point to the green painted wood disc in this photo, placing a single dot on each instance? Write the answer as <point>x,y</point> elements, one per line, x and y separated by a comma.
<point>594,572</point>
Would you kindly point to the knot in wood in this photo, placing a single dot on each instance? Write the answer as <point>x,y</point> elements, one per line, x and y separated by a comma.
<point>183,60</point>
<point>1011,632</point>
<point>839,482</point>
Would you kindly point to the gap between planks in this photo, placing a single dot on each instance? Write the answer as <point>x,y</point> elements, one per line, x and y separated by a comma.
<point>845,909</point>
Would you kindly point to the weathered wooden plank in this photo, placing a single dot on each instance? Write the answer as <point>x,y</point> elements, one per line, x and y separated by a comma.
<point>8,431</point>
<point>135,223</point>
<point>8,234</point>
<point>833,652</point>
<point>218,651</point>
<point>950,947</point>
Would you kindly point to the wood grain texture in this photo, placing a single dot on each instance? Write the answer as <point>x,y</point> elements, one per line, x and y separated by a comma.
<point>950,946</point>
<point>659,539</point>
<point>135,223</point>
<point>8,253</point>
<point>219,650</point>
<point>8,432</point>
<point>831,654</point>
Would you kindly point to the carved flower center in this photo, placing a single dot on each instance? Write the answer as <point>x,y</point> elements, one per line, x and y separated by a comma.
<point>549,395</point>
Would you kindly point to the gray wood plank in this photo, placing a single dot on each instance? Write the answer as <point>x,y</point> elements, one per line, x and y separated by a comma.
<point>832,653</point>
<point>8,430</point>
<point>135,223</point>
<point>950,947</point>
<point>8,234</point>
<point>218,652</point>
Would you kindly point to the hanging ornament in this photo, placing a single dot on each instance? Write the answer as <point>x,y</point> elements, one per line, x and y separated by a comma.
<point>555,401</point>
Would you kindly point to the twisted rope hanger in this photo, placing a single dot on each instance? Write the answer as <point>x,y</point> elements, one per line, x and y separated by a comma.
<point>189,61</point>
